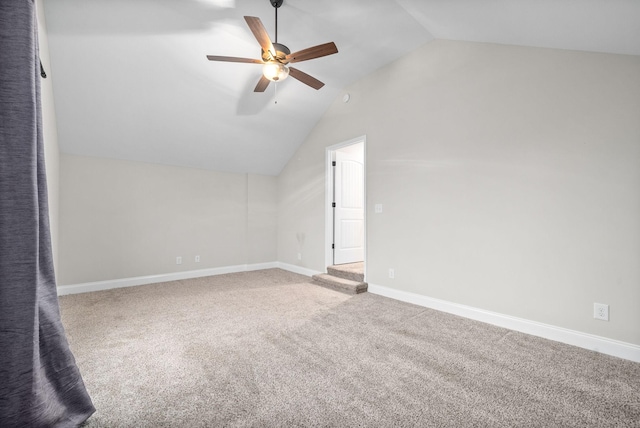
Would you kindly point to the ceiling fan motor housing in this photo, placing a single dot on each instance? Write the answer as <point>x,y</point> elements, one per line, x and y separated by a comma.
<point>276,3</point>
<point>281,52</point>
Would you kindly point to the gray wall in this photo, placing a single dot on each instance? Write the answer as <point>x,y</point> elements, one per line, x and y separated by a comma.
<point>509,178</point>
<point>121,219</point>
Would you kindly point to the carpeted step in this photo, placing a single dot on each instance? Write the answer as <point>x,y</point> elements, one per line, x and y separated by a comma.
<point>340,284</point>
<point>352,271</point>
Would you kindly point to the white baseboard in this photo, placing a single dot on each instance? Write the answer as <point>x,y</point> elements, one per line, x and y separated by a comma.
<point>297,269</point>
<point>600,344</point>
<point>152,279</point>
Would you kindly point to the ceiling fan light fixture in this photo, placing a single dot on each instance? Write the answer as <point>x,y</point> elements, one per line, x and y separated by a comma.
<point>275,71</point>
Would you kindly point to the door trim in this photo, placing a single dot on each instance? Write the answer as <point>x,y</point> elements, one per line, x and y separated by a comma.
<point>329,198</point>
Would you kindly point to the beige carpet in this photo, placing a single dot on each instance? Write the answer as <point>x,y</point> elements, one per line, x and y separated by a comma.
<point>268,349</point>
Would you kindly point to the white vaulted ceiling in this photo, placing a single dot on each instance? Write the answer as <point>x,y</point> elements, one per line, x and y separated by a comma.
<point>131,79</point>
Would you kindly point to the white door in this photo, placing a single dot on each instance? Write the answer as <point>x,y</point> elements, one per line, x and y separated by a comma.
<point>349,206</point>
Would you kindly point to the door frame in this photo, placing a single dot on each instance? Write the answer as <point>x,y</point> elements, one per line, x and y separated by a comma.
<point>330,150</point>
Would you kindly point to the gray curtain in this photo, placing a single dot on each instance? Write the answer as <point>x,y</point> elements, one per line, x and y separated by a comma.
<point>40,385</point>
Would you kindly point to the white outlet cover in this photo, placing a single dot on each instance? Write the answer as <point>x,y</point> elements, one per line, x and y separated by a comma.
<point>378,208</point>
<point>601,311</point>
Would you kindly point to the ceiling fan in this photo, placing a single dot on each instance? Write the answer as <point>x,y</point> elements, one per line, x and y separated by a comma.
<point>276,57</point>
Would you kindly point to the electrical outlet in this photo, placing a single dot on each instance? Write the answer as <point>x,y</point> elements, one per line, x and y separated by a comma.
<point>197,259</point>
<point>392,273</point>
<point>299,256</point>
<point>178,260</point>
<point>601,311</point>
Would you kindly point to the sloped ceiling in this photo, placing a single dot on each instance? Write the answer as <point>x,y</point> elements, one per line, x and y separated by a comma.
<point>131,79</point>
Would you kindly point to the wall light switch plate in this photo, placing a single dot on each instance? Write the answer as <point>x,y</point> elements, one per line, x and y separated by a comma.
<point>197,259</point>
<point>378,208</point>
<point>178,260</point>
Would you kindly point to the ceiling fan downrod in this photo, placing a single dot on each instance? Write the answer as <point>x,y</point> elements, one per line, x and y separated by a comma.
<point>276,4</point>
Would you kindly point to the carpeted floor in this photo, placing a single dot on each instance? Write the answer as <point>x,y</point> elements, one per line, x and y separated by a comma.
<point>269,349</point>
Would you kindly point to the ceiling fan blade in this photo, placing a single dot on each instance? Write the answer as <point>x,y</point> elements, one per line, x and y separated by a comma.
<point>262,84</point>
<point>313,52</point>
<point>234,59</point>
<point>258,30</point>
<point>305,78</point>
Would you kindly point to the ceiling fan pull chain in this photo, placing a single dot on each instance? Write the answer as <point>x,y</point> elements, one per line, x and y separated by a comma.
<point>275,91</point>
